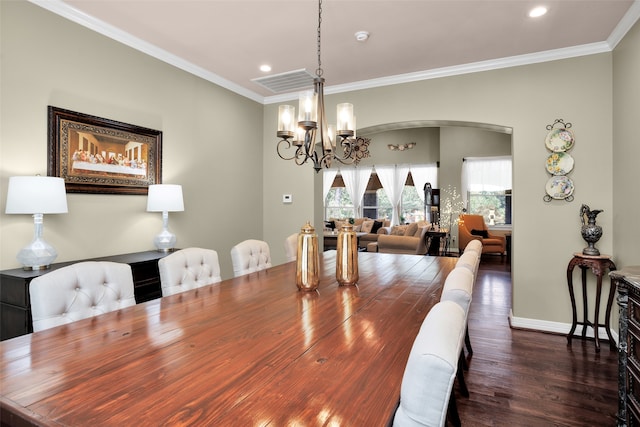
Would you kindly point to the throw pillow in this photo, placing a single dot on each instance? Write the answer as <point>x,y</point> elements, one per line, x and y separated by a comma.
<point>376,226</point>
<point>411,229</point>
<point>367,226</point>
<point>398,230</point>
<point>483,233</point>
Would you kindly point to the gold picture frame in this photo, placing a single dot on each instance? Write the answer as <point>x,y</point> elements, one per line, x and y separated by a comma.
<point>97,155</point>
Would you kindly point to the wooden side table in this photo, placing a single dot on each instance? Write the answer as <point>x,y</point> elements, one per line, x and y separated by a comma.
<point>598,265</point>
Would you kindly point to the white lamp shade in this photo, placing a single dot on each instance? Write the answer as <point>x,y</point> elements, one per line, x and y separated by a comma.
<point>36,195</point>
<point>165,198</point>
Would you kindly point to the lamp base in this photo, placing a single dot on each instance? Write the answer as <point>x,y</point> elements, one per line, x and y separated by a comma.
<point>38,255</point>
<point>165,241</point>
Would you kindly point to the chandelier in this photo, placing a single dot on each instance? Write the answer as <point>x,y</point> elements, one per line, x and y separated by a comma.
<point>313,139</point>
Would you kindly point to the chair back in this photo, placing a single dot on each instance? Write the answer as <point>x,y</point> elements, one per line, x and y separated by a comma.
<point>431,369</point>
<point>473,222</point>
<point>469,260</point>
<point>474,246</point>
<point>78,291</point>
<point>458,287</point>
<point>187,269</point>
<point>250,256</point>
<point>291,247</point>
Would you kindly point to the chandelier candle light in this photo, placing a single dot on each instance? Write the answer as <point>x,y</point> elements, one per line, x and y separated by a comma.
<point>312,138</point>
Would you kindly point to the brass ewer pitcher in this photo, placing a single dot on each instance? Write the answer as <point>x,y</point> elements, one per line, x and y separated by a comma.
<point>347,256</point>
<point>308,259</point>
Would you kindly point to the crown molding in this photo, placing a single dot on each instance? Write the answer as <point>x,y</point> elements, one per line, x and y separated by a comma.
<point>66,11</point>
<point>63,9</point>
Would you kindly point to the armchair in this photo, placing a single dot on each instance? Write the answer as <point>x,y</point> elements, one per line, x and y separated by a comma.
<point>473,227</point>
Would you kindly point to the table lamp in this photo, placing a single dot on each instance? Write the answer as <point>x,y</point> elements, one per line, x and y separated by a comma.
<point>165,198</point>
<point>36,195</point>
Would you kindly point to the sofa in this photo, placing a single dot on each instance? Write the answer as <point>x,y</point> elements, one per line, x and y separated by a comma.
<point>473,227</point>
<point>373,227</point>
<point>402,239</point>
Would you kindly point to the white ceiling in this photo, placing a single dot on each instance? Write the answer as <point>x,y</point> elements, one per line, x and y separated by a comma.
<point>225,41</point>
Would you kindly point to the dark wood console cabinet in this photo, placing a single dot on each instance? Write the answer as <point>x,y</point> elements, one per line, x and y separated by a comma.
<point>15,305</point>
<point>627,281</point>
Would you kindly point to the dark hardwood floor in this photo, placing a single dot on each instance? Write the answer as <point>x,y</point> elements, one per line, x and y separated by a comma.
<point>526,378</point>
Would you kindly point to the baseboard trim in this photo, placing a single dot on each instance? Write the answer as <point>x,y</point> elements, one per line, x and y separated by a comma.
<point>556,327</point>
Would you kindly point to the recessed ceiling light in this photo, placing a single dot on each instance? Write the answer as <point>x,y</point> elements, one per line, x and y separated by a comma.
<point>537,11</point>
<point>362,36</point>
<point>265,68</point>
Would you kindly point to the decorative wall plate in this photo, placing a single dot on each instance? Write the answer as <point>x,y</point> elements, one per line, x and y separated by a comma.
<point>559,140</point>
<point>559,163</point>
<point>559,187</point>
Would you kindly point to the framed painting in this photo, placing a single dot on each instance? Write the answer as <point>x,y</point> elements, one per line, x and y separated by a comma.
<point>96,155</point>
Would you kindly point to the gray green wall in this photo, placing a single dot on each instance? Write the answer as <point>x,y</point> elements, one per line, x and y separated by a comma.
<point>48,60</point>
<point>526,99</point>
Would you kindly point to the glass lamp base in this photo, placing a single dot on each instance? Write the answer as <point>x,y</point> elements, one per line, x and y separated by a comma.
<point>165,241</point>
<point>38,255</point>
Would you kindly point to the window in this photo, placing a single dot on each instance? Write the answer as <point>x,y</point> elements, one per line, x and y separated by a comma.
<point>486,184</point>
<point>338,204</point>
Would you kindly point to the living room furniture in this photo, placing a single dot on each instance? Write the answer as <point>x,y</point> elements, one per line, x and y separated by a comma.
<point>246,351</point>
<point>188,268</point>
<point>627,282</point>
<point>249,256</point>
<point>434,243</point>
<point>80,290</point>
<point>402,239</point>
<point>15,305</point>
<point>291,247</point>
<point>331,240</point>
<point>473,227</point>
<point>427,383</point>
<point>597,264</point>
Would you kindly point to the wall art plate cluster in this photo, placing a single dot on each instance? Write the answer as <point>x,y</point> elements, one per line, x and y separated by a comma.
<point>559,141</point>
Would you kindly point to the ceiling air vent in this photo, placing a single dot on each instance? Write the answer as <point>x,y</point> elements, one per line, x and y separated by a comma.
<point>286,82</point>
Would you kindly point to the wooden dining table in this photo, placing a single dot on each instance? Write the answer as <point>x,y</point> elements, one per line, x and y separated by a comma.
<point>248,351</point>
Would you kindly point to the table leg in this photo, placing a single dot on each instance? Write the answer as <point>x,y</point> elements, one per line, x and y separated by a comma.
<point>574,321</point>
<point>596,320</point>
<point>585,305</point>
<point>607,323</point>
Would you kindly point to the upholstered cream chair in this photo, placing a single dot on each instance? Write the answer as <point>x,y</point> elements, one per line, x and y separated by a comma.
<point>474,245</point>
<point>291,247</point>
<point>250,256</point>
<point>458,287</point>
<point>78,291</point>
<point>472,227</point>
<point>427,385</point>
<point>188,268</point>
<point>469,260</point>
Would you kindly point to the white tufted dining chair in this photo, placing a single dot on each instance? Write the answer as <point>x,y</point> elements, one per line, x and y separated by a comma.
<point>291,247</point>
<point>188,268</point>
<point>250,256</point>
<point>426,392</point>
<point>475,246</point>
<point>78,291</point>
<point>458,287</point>
<point>469,260</point>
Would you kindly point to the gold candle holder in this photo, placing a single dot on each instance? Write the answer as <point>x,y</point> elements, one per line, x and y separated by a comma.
<point>308,259</point>
<point>347,256</point>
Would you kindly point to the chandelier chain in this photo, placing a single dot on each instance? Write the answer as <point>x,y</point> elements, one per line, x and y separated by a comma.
<point>319,70</point>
